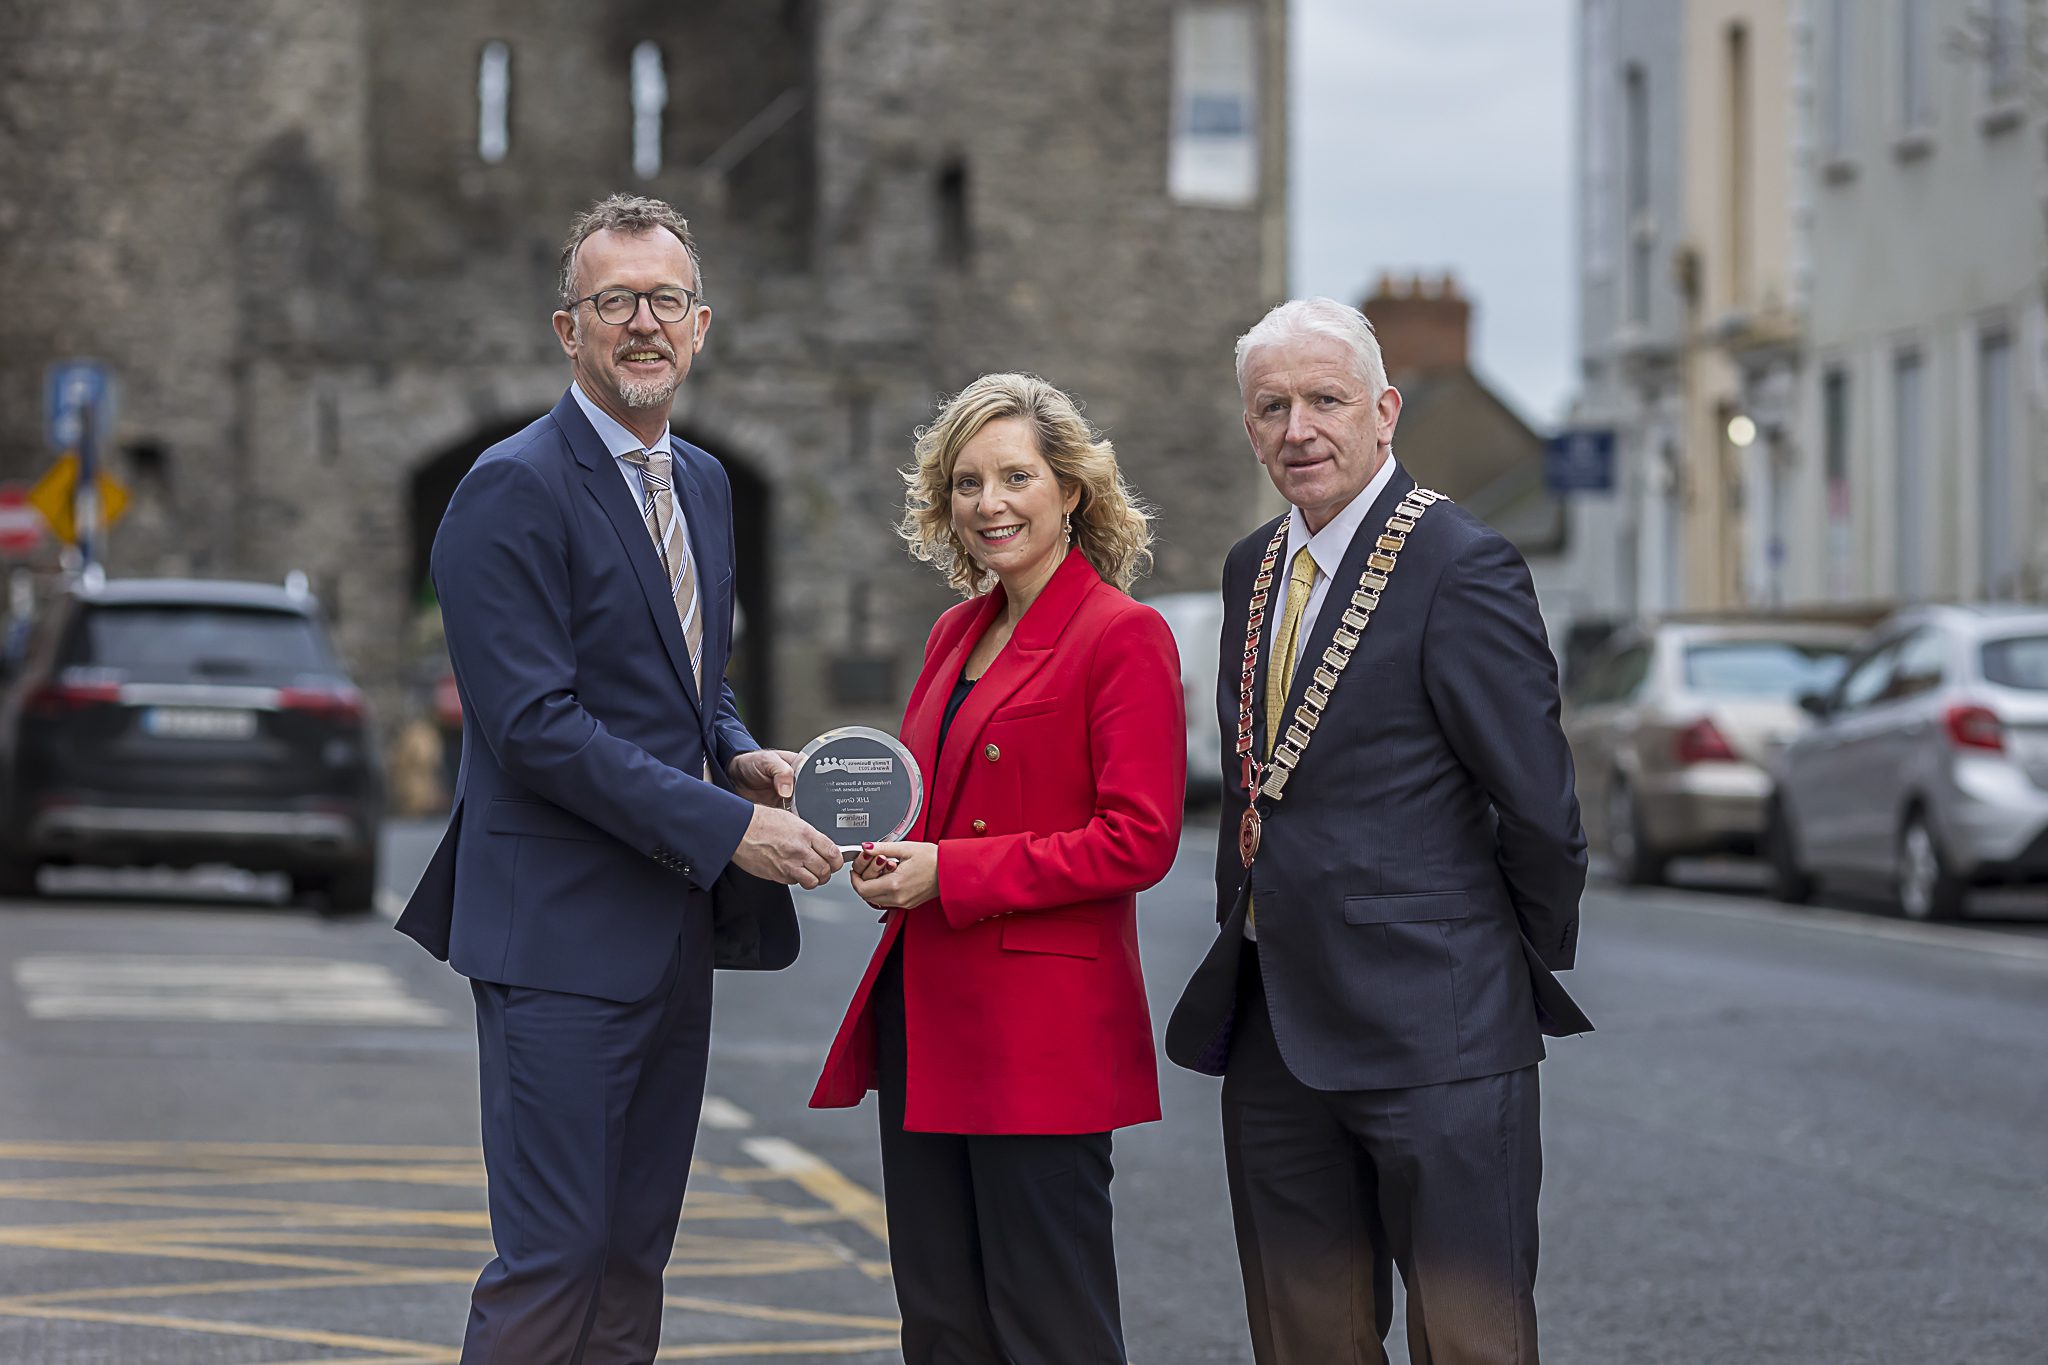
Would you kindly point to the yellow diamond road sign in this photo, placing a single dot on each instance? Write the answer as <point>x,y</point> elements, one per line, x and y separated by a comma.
<point>52,496</point>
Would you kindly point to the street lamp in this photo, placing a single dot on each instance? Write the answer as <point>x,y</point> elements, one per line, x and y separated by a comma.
<point>1741,431</point>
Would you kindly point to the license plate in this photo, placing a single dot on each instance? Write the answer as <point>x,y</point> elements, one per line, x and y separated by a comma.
<point>198,722</point>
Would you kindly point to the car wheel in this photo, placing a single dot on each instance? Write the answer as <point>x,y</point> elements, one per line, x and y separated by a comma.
<point>339,895</point>
<point>1789,881</point>
<point>17,877</point>
<point>1635,862</point>
<point>1927,889</point>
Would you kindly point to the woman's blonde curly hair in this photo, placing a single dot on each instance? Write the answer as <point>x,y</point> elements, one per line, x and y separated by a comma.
<point>1112,526</point>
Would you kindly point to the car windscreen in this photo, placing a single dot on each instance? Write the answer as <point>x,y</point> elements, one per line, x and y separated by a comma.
<point>2020,662</point>
<point>200,643</point>
<point>1762,668</point>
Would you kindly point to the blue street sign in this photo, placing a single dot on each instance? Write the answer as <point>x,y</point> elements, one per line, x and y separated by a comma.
<point>71,388</point>
<point>1580,461</point>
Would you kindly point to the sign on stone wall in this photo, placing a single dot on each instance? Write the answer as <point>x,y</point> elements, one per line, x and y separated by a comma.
<point>1580,461</point>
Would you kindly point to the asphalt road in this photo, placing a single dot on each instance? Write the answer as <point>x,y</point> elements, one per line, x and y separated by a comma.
<point>230,1132</point>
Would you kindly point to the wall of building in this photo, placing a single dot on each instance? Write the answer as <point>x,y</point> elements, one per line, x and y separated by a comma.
<point>1929,246</point>
<point>274,221</point>
<point>1631,317</point>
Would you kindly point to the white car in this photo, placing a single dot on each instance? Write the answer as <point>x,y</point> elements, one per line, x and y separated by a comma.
<point>1927,767</point>
<point>1196,620</point>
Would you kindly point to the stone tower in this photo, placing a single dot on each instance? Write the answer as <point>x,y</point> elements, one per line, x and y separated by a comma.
<point>317,244</point>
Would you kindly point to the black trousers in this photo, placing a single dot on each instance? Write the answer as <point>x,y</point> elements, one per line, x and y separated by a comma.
<point>589,1117</point>
<point>1330,1190</point>
<point>1000,1245</point>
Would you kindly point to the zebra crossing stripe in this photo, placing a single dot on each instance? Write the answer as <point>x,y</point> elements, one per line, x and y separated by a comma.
<point>241,990</point>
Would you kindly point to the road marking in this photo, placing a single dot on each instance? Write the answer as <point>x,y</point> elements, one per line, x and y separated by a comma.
<point>821,1182</point>
<point>242,990</point>
<point>720,1113</point>
<point>782,1206</point>
<point>1991,942</point>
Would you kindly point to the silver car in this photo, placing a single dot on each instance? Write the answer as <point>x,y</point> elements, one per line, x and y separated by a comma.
<point>1927,768</point>
<point>1196,620</point>
<point>1673,728</point>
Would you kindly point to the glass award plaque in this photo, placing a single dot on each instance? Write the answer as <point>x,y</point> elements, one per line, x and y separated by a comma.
<point>858,785</point>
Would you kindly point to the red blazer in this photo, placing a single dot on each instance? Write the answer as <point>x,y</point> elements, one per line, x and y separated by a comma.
<point>1057,800</point>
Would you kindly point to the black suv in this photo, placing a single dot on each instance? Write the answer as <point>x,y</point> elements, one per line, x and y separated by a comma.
<point>180,722</point>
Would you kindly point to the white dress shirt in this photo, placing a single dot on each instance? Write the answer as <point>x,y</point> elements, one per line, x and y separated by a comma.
<point>1327,548</point>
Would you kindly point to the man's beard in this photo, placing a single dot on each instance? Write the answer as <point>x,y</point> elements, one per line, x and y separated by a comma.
<point>648,393</point>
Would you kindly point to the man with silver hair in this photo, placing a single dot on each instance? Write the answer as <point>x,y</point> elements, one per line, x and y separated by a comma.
<point>617,832</point>
<point>1398,878</point>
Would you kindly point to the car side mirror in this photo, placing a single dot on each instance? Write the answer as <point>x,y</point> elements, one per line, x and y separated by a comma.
<point>1814,704</point>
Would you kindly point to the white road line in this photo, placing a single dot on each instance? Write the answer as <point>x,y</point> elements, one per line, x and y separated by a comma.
<point>780,1155</point>
<point>723,1113</point>
<point>1986,941</point>
<point>284,990</point>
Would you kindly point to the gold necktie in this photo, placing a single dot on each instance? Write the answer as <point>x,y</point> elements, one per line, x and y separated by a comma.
<point>1301,581</point>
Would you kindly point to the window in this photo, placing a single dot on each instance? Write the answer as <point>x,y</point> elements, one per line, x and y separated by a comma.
<point>1916,67</point>
<point>1867,679</point>
<point>956,228</point>
<point>1738,164</point>
<point>2004,49</point>
<point>223,644</point>
<point>1214,157</point>
<point>1762,668</point>
<point>650,99</point>
<point>2018,662</point>
<point>1641,229</point>
<point>1598,209</point>
<point>494,103</point>
<point>1838,112</point>
<point>1834,391</point>
<point>1998,559</point>
<point>1913,503</point>
<point>1919,667</point>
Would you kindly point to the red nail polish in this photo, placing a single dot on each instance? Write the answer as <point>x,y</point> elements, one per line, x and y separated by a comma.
<point>867,848</point>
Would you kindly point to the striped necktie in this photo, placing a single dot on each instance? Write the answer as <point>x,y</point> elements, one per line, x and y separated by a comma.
<point>671,541</point>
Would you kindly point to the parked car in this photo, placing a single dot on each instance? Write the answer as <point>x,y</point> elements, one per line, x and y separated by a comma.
<point>1196,620</point>
<point>1927,767</point>
<point>1673,727</point>
<point>180,722</point>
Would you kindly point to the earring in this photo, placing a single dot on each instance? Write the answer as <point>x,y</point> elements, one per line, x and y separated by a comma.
<point>1067,525</point>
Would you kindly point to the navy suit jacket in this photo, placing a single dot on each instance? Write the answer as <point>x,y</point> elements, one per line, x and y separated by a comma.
<point>1419,881</point>
<point>583,832</point>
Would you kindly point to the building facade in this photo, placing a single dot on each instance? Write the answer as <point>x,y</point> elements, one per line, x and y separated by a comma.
<point>317,244</point>
<point>1632,315</point>
<point>1923,434</point>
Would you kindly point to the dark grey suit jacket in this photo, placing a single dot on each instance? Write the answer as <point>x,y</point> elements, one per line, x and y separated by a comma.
<point>1419,882</point>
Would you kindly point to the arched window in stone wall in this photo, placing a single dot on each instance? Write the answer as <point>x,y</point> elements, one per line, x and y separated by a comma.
<point>650,100</point>
<point>494,102</point>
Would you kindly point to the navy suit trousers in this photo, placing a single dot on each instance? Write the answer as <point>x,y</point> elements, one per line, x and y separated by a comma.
<point>589,1118</point>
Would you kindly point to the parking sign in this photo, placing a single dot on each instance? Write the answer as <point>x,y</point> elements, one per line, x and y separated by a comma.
<point>71,388</point>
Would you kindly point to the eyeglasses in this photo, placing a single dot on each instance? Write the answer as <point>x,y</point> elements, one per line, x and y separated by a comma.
<point>617,306</point>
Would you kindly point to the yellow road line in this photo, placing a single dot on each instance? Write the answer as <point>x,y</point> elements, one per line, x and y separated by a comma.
<point>180,1152</point>
<point>856,1203</point>
<point>253,1285</point>
<point>716,1350</point>
<point>306,1336</point>
<point>761,1312</point>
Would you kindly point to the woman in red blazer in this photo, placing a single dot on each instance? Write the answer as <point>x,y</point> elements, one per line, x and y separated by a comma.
<point>1002,1018</point>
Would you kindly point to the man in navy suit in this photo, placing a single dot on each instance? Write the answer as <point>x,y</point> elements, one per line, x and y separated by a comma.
<point>617,832</point>
<point>1396,883</point>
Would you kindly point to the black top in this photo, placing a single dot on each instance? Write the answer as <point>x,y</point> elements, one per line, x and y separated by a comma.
<point>961,688</point>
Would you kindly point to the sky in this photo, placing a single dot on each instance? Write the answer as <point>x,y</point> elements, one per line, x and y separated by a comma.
<point>1434,134</point>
